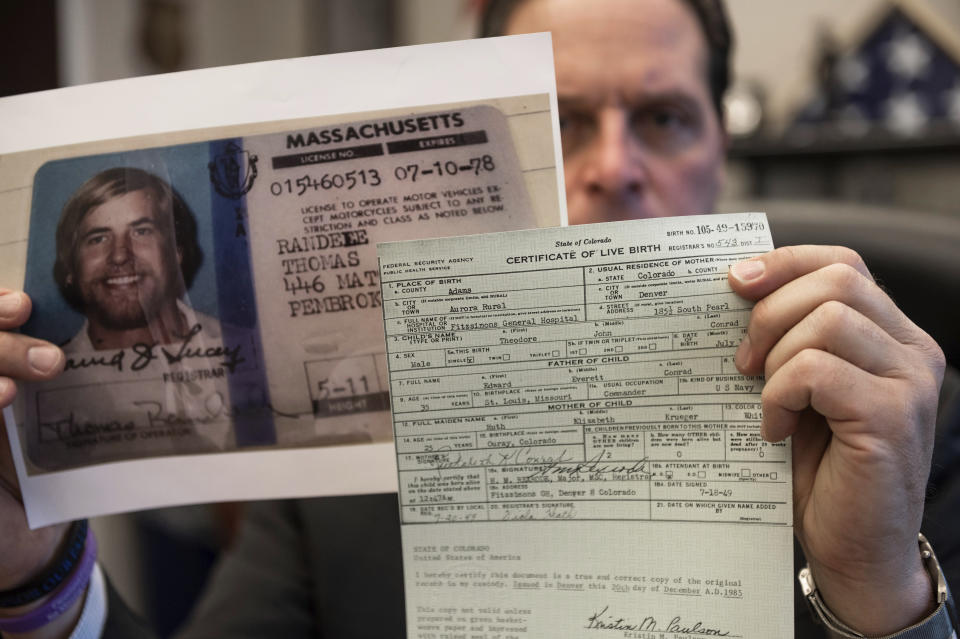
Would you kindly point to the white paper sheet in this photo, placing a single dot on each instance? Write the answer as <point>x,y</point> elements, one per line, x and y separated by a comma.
<point>339,87</point>
<point>578,454</point>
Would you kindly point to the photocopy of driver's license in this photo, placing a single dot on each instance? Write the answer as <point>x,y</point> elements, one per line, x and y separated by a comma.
<point>577,454</point>
<point>216,291</point>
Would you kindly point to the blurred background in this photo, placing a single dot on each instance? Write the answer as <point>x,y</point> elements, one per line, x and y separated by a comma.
<point>855,100</point>
<point>853,103</point>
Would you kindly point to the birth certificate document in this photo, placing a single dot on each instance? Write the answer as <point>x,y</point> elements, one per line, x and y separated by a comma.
<point>577,454</point>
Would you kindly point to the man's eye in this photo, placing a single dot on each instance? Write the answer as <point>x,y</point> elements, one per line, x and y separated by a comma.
<point>94,240</point>
<point>143,231</point>
<point>665,128</point>
<point>576,130</point>
<point>666,118</point>
<point>662,118</point>
<point>568,121</point>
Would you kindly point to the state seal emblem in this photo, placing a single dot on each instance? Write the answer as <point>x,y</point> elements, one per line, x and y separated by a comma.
<point>233,171</point>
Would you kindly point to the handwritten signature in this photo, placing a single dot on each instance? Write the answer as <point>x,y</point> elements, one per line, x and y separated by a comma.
<point>70,427</point>
<point>518,456</point>
<point>214,408</point>
<point>603,620</point>
<point>592,466</point>
<point>143,354</point>
<point>561,465</point>
<point>550,512</point>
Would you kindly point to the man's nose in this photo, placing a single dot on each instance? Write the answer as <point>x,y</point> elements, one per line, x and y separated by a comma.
<point>120,252</point>
<point>616,168</point>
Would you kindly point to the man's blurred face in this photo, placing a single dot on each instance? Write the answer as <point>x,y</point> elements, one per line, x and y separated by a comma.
<point>126,262</point>
<point>640,135</point>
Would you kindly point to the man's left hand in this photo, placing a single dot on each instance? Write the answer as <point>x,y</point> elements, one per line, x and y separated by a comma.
<point>855,383</point>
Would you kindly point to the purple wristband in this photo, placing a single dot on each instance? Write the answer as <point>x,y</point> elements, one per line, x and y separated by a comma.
<point>62,598</point>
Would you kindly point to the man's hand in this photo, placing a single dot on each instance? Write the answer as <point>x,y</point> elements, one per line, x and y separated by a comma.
<point>855,383</point>
<point>22,357</point>
<point>24,553</point>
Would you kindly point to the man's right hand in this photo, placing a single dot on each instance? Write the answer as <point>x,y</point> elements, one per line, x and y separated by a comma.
<point>22,357</point>
<point>24,553</point>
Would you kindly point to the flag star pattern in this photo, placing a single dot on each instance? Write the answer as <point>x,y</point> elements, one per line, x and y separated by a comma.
<point>898,79</point>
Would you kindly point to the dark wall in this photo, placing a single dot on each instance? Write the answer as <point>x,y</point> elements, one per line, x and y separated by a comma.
<point>28,46</point>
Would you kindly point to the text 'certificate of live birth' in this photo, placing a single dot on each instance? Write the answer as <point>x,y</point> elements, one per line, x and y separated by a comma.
<point>578,455</point>
<point>216,291</point>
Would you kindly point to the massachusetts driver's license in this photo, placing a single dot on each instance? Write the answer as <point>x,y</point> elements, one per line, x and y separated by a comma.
<point>217,295</point>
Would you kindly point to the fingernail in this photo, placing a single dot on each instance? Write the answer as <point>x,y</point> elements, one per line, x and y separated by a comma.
<point>43,359</point>
<point>10,304</point>
<point>747,271</point>
<point>742,357</point>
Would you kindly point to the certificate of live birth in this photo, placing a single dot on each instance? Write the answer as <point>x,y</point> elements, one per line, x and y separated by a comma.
<point>577,454</point>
